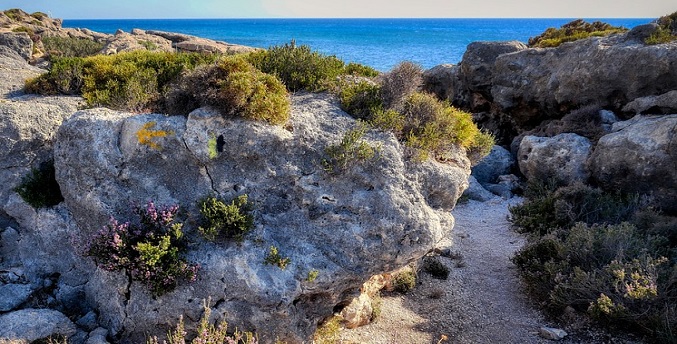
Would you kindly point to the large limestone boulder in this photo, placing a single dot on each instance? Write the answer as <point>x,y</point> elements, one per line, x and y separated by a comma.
<point>640,157</point>
<point>561,158</point>
<point>137,40</point>
<point>373,218</point>
<point>443,81</point>
<point>477,65</point>
<point>535,84</point>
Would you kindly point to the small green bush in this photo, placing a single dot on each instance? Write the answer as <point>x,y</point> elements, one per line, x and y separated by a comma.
<point>596,253</point>
<point>207,333</point>
<point>312,275</point>
<point>39,188</point>
<point>361,99</point>
<point>357,69</point>
<point>298,67</point>
<point>14,13</point>
<point>133,81</point>
<point>148,45</point>
<point>432,126</point>
<point>70,47</point>
<point>235,88</point>
<point>149,250</point>
<point>667,31</point>
<point>225,221</point>
<point>275,258</point>
<point>39,15</point>
<point>400,83</point>
<point>350,151</point>
<point>572,31</point>
<point>404,281</point>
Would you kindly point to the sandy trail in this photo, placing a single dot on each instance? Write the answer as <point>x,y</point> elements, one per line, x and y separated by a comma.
<point>482,301</point>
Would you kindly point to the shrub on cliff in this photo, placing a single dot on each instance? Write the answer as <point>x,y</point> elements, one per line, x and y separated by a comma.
<point>400,83</point>
<point>224,221</point>
<point>235,88</point>
<point>132,81</point>
<point>301,68</point>
<point>594,252</point>
<point>149,250</point>
<point>39,188</point>
<point>572,31</point>
<point>70,47</point>
<point>361,99</point>
<point>667,30</point>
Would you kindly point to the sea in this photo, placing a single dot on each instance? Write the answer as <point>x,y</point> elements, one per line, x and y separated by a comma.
<point>379,43</point>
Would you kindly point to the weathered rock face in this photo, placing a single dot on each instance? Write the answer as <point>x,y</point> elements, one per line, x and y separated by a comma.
<point>374,218</point>
<point>656,105</point>
<point>20,42</point>
<point>562,158</point>
<point>443,81</point>
<point>32,324</point>
<point>477,66</point>
<point>608,71</point>
<point>640,156</point>
<point>499,162</point>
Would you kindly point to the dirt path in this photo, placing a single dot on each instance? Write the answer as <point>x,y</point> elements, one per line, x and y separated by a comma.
<point>480,302</point>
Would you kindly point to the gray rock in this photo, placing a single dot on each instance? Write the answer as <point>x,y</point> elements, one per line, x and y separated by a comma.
<point>499,162</point>
<point>20,42</point>
<point>376,217</point>
<point>443,81</point>
<point>98,336</point>
<point>608,71</point>
<point>13,295</point>
<point>639,157</point>
<point>477,65</point>
<point>476,191</point>
<point>665,103</point>
<point>14,71</point>
<point>552,333</point>
<point>500,190</point>
<point>561,158</point>
<point>34,324</point>
<point>88,321</point>
<point>640,33</point>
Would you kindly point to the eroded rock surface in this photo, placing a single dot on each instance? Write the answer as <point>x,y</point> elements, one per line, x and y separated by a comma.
<point>373,218</point>
<point>561,158</point>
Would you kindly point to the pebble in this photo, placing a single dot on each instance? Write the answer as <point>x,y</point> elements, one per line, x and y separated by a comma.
<point>552,333</point>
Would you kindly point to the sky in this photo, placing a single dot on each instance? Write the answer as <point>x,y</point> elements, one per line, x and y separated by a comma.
<point>146,9</point>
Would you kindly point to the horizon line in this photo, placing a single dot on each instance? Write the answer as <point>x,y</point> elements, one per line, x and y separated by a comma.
<point>365,18</point>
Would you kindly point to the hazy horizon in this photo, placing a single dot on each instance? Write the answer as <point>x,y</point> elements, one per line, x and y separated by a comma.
<point>348,9</point>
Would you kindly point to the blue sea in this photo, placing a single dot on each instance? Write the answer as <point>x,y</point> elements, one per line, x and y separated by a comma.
<point>380,43</point>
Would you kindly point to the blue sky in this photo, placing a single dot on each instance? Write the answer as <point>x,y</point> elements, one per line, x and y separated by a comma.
<point>93,9</point>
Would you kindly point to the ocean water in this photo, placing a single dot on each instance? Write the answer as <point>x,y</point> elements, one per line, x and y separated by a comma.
<point>380,43</point>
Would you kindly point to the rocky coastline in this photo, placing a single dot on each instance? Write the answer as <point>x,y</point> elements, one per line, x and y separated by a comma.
<point>601,111</point>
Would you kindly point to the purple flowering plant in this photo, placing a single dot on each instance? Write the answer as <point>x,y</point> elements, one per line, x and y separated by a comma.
<point>149,250</point>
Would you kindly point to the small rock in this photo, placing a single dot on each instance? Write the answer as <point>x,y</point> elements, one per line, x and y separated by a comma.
<point>476,191</point>
<point>551,333</point>
<point>33,324</point>
<point>13,295</point>
<point>98,336</point>
<point>88,321</point>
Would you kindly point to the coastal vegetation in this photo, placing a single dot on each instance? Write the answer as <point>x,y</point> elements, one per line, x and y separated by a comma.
<point>573,31</point>
<point>39,188</point>
<point>430,126</point>
<point>603,254</point>
<point>222,220</point>
<point>70,47</point>
<point>666,32</point>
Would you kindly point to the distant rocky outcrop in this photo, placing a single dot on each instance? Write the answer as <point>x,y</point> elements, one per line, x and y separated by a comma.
<point>22,31</point>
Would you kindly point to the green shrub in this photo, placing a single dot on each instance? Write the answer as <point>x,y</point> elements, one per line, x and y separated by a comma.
<point>39,15</point>
<point>596,253</point>
<point>357,69</point>
<point>132,81</point>
<point>70,47</point>
<point>275,258</point>
<point>388,120</point>
<point>667,30</point>
<point>376,307</point>
<point>225,221</point>
<point>361,99</point>
<point>547,209</point>
<point>312,275</point>
<point>207,333</point>
<point>149,250</point>
<point>572,31</point>
<point>235,88</point>
<point>298,67</point>
<point>29,31</point>
<point>404,281</point>
<point>15,13</point>
<point>39,188</point>
<point>350,151</point>
<point>148,45</point>
<point>432,126</point>
<point>400,83</point>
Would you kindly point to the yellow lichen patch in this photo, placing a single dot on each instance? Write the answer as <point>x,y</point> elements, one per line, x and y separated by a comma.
<point>146,135</point>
